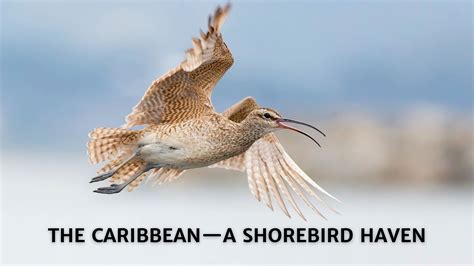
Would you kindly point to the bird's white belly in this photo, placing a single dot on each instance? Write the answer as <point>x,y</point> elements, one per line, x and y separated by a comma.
<point>162,154</point>
<point>174,156</point>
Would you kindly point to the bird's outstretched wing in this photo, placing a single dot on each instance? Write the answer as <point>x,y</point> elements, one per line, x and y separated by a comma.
<point>184,92</point>
<point>270,170</point>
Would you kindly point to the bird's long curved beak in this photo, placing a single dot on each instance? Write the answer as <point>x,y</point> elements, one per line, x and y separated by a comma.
<point>285,126</point>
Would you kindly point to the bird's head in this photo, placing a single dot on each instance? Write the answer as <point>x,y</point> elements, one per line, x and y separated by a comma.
<point>268,120</point>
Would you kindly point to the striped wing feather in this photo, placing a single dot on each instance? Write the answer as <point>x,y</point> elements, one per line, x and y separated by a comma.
<point>271,172</point>
<point>184,92</point>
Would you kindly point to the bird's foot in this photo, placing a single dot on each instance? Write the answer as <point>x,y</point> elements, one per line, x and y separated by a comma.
<point>114,188</point>
<point>102,177</point>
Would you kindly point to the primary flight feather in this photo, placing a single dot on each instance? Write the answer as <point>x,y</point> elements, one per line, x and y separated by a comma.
<point>183,131</point>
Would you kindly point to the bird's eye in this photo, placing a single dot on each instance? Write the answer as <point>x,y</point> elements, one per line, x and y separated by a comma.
<point>267,115</point>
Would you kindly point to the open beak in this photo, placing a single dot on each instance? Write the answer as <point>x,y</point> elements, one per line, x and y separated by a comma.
<point>282,125</point>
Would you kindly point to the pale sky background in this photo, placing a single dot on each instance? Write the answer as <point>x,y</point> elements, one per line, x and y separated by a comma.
<point>69,67</point>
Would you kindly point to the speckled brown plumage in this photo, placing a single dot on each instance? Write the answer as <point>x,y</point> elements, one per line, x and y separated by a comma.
<point>184,92</point>
<point>182,131</point>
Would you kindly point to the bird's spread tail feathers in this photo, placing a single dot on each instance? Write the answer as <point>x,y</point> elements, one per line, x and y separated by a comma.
<point>111,144</point>
<point>118,146</point>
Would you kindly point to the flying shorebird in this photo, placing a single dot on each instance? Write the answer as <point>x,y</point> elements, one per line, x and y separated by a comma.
<point>183,131</point>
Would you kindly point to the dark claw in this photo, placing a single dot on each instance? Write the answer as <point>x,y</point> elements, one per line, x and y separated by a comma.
<point>101,177</point>
<point>114,188</point>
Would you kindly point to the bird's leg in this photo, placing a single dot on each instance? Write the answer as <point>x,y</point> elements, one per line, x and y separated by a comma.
<point>103,176</point>
<point>110,173</point>
<point>116,188</point>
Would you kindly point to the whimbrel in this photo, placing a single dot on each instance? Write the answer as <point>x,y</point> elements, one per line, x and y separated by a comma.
<point>183,131</point>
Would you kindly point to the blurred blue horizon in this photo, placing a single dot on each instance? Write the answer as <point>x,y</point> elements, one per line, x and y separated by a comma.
<point>70,67</point>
